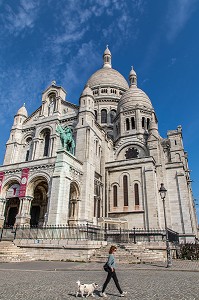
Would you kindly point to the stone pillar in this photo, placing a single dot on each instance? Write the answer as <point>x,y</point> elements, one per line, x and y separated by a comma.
<point>23,216</point>
<point>60,189</point>
<point>2,211</point>
<point>35,145</point>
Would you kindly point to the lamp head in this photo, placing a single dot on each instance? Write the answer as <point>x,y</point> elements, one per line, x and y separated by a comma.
<point>162,191</point>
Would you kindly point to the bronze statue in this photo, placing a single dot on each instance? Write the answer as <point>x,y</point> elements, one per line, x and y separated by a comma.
<point>66,138</point>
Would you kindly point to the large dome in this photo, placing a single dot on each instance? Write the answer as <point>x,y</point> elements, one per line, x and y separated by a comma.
<point>107,77</point>
<point>134,96</point>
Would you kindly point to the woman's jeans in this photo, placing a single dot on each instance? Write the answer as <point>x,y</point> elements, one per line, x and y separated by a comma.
<point>108,278</point>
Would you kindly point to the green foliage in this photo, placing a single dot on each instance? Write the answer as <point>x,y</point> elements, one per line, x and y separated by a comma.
<point>188,251</point>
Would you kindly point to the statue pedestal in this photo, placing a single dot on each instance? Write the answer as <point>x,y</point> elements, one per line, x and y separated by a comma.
<point>66,163</point>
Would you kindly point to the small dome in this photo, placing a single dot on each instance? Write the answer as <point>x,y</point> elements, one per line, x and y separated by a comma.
<point>134,96</point>
<point>107,77</point>
<point>107,51</point>
<point>23,111</point>
<point>87,91</point>
<point>132,72</point>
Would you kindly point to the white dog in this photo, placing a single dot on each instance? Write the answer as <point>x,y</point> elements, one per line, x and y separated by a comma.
<point>87,289</point>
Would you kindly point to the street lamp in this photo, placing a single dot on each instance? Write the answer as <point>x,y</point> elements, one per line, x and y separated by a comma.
<point>163,192</point>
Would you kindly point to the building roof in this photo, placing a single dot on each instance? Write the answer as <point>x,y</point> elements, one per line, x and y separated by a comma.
<point>107,77</point>
<point>87,91</point>
<point>23,111</point>
<point>134,96</point>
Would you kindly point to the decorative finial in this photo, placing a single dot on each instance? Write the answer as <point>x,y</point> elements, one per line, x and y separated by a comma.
<point>24,104</point>
<point>132,67</point>
<point>106,46</point>
<point>53,82</point>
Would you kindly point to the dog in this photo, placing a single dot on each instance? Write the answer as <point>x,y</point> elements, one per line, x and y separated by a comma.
<point>86,289</point>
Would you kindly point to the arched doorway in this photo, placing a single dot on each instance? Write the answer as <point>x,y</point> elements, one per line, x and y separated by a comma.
<point>12,204</point>
<point>39,202</point>
<point>73,203</point>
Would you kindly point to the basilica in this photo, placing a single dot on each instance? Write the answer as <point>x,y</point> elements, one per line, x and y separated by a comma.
<point>102,159</point>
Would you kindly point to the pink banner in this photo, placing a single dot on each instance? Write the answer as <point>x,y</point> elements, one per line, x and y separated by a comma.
<point>24,180</point>
<point>1,179</point>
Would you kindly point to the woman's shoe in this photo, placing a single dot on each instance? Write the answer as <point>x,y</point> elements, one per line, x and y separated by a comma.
<point>123,294</point>
<point>103,295</point>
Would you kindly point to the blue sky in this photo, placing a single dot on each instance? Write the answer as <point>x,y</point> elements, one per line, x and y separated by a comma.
<point>64,40</point>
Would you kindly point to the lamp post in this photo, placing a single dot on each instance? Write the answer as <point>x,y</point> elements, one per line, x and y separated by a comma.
<point>163,192</point>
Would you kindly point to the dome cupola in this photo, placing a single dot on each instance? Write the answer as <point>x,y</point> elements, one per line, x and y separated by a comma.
<point>133,96</point>
<point>107,58</point>
<point>133,78</point>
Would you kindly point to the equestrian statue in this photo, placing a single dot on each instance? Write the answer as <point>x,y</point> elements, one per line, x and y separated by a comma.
<point>66,137</point>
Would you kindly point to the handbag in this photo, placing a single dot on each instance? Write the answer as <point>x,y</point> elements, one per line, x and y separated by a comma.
<point>106,267</point>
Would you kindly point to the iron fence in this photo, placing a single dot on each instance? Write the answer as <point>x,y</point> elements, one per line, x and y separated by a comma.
<point>84,232</point>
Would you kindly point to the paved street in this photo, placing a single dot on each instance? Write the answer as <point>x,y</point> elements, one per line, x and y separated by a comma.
<point>57,280</point>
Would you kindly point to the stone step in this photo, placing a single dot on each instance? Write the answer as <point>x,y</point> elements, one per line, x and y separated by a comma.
<point>133,253</point>
<point>11,253</point>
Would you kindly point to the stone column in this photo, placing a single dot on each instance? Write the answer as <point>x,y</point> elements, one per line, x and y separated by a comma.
<point>35,145</point>
<point>2,211</point>
<point>23,216</point>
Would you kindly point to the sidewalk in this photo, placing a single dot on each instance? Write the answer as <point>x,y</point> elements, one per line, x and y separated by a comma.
<point>178,265</point>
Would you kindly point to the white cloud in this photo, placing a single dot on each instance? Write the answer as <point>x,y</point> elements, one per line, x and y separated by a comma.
<point>101,18</point>
<point>179,13</point>
<point>80,67</point>
<point>25,85</point>
<point>16,20</point>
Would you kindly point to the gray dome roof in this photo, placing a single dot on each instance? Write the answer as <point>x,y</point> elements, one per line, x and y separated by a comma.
<point>23,111</point>
<point>87,91</point>
<point>134,96</point>
<point>107,77</point>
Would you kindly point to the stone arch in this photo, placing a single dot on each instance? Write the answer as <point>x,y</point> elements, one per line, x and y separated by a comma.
<point>52,92</point>
<point>45,137</point>
<point>38,188</point>
<point>7,183</point>
<point>121,151</point>
<point>51,98</point>
<point>45,127</point>
<point>27,142</point>
<point>11,195</point>
<point>74,202</point>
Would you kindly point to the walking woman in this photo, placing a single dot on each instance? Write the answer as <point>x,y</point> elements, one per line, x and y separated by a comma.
<point>112,273</point>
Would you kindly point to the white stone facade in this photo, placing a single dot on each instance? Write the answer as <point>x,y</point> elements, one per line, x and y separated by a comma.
<point>119,162</point>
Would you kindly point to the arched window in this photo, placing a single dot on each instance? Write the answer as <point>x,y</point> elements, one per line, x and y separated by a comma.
<point>46,143</point>
<point>143,122</point>
<point>115,195</point>
<point>127,124</point>
<point>28,148</point>
<point>125,190</point>
<point>112,115</point>
<point>133,123</point>
<point>103,116</point>
<point>95,115</point>
<point>136,191</point>
<point>73,202</point>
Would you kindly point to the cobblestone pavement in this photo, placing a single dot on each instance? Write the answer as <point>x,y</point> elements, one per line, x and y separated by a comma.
<point>57,280</point>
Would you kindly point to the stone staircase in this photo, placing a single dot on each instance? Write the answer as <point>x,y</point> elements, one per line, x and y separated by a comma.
<point>133,253</point>
<point>9,252</point>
